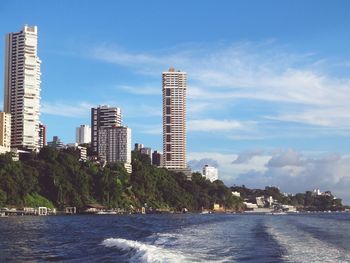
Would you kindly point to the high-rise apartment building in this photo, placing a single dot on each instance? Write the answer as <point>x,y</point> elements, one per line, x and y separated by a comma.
<point>83,134</point>
<point>5,132</point>
<point>42,135</point>
<point>174,119</point>
<point>115,145</point>
<point>22,87</point>
<point>101,117</point>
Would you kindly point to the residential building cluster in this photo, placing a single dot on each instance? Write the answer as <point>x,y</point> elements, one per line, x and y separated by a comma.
<point>21,130</point>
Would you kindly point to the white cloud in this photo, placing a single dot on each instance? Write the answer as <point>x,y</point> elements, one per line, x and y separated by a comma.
<point>222,74</point>
<point>74,110</point>
<point>142,90</point>
<point>291,170</point>
<point>205,125</point>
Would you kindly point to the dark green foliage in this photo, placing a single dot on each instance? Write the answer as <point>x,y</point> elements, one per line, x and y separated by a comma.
<point>60,178</point>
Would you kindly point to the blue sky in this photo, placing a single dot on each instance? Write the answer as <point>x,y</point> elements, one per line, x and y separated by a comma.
<point>267,79</point>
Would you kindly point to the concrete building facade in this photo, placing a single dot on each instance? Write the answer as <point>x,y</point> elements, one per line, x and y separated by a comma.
<point>56,143</point>
<point>157,159</point>
<point>103,117</point>
<point>210,173</point>
<point>174,119</point>
<point>42,135</point>
<point>115,145</point>
<point>83,134</point>
<point>22,87</point>
<point>5,132</point>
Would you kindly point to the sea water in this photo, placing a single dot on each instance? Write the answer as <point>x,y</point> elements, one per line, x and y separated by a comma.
<point>321,237</point>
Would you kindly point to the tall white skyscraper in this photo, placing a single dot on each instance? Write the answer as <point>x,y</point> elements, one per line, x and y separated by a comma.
<point>101,117</point>
<point>174,119</point>
<point>22,87</point>
<point>83,134</point>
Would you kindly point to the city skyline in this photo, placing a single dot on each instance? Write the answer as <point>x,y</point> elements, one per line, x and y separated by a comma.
<point>268,95</point>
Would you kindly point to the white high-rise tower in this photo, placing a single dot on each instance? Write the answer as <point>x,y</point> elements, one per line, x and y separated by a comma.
<point>174,119</point>
<point>22,87</point>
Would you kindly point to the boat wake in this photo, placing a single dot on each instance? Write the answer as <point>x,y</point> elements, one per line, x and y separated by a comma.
<point>137,251</point>
<point>302,247</point>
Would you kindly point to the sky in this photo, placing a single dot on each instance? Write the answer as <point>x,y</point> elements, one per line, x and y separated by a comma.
<point>268,81</point>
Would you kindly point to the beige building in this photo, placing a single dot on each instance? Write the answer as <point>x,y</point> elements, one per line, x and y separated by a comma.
<point>115,145</point>
<point>5,132</point>
<point>174,119</point>
<point>22,87</point>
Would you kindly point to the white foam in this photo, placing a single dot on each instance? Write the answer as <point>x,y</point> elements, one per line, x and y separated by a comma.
<point>302,247</point>
<point>141,252</point>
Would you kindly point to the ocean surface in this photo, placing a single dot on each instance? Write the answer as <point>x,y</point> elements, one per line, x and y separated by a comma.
<point>322,237</point>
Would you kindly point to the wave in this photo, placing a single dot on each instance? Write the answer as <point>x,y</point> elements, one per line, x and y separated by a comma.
<point>141,252</point>
<point>303,247</point>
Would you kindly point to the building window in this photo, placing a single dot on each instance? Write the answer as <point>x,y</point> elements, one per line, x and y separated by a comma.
<point>168,119</point>
<point>168,138</point>
<point>168,101</point>
<point>168,92</point>
<point>168,110</point>
<point>168,156</point>
<point>168,147</point>
<point>168,128</point>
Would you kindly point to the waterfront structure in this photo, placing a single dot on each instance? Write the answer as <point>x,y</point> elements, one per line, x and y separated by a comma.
<point>83,134</point>
<point>174,119</point>
<point>42,135</point>
<point>56,143</point>
<point>115,145</point>
<point>5,132</point>
<point>22,87</point>
<point>101,117</point>
<point>157,158</point>
<point>210,173</point>
<point>147,151</point>
<point>138,146</point>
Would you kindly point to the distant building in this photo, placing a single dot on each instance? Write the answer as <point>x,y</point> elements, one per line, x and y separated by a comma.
<point>5,132</point>
<point>102,117</point>
<point>316,192</point>
<point>81,150</point>
<point>138,146</point>
<point>22,87</point>
<point>157,158</point>
<point>174,119</point>
<point>115,145</point>
<point>56,143</point>
<point>237,194</point>
<point>210,173</point>
<point>42,135</point>
<point>83,134</point>
<point>147,151</point>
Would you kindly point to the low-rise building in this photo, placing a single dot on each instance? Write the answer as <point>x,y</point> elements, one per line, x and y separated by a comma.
<point>157,159</point>
<point>210,173</point>
<point>82,151</point>
<point>147,151</point>
<point>56,143</point>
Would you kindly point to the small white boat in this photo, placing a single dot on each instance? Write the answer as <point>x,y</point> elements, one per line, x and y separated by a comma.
<point>276,213</point>
<point>106,213</point>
